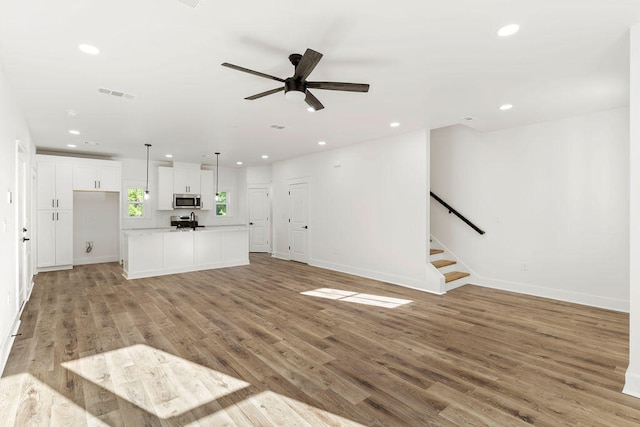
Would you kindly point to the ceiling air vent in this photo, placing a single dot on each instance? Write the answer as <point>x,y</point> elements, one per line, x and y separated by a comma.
<point>277,127</point>
<point>116,93</point>
<point>190,3</point>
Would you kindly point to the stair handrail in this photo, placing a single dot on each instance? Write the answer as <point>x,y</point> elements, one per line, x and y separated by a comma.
<point>456,213</point>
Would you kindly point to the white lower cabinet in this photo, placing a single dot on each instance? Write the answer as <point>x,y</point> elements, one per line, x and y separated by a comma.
<point>55,242</point>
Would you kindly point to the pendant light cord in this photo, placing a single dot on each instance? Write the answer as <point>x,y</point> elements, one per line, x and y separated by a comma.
<point>217,174</point>
<point>146,188</point>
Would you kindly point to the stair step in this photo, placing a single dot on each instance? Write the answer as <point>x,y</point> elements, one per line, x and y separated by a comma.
<point>454,275</point>
<point>435,251</point>
<point>442,263</point>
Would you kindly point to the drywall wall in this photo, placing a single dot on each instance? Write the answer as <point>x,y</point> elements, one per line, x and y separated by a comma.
<point>259,174</point>
<point>13,128</point>
<point>632,378</point>
<point>553,199</point>
<point>367,208</point>
<point>95,219</point>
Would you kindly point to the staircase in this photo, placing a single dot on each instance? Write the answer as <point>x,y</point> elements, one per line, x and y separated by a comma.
<point>448,269</point>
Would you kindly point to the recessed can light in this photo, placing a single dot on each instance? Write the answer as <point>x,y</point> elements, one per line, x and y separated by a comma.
<point>322,143</point>
<point>264,156</point>
<point>239,163</point>
<point>168,156</point>
<point>508,30</point>
<point>506,107</point>
<point>467,118</point>
<point>72,113</point>
<point>394,124</point>
<point>71,145</point>
<point>88,49</point>
<point>74,132</point>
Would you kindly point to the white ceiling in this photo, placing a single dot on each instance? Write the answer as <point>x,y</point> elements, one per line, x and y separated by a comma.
<point>429,63</point>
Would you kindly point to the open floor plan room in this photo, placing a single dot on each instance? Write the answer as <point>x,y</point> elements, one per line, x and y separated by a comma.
<point>279,343</point>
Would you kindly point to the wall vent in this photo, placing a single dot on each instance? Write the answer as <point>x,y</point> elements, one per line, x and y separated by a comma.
<point>190,3</point>
<point>277,127</point>
<point>92,143</point>
<point>116,93</point>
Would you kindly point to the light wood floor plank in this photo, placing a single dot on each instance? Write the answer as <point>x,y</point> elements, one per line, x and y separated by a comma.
<point>243,347</point>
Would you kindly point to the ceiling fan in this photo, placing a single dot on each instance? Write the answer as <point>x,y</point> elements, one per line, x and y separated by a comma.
<point>297,86</point>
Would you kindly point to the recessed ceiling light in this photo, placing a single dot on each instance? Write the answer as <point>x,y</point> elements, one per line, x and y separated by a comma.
<point>506,107</point>
<point>264,156</point>
<point>239,163</point>
<point>74,132</point>
<point>88,49</point>
<point>467,119</point>
<point>394,124</point>
<point>508,30</point>
<point>168,156</point>
<point>71,145</point>
<point>72,113</point>
<point>322,143</point>
<point>311,109</point>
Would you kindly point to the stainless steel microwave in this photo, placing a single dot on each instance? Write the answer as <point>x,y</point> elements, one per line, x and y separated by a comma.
<point>187,201</point>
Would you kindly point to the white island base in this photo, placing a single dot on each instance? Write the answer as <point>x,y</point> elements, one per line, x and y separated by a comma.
<point>158,252</point>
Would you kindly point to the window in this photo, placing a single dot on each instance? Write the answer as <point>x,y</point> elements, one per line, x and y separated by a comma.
<point>135,202</point>
<point>221,203</point>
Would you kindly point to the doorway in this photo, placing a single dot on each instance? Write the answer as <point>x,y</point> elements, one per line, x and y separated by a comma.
<point>259,219</point>
<point>23,210</point>
<point>299,222</point>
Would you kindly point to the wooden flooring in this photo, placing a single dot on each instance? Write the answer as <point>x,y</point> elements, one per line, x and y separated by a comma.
<point>243,347</point>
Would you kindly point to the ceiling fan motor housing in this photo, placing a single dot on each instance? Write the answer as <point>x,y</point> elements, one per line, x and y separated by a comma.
<point>296,85</point>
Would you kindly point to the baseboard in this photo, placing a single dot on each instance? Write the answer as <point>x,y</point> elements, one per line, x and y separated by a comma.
<point>96,260</point>
<point>55,268</point>
<point>632,383</point>
<point>7,343</point>
<point>407,282</point>
<point>280,255</point>
<point>557,294</point>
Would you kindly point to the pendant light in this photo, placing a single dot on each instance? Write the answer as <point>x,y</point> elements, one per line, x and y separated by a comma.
<point>217,169</point>
<point>146,188</point>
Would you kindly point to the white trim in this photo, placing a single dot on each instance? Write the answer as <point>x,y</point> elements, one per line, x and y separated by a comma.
<point>5,348</point>
<point>188,269</point>
<point>407,282</point>
<point>557,294</point>
<point>281,255</point>
<point>632,383</point>
<point>96,260</point>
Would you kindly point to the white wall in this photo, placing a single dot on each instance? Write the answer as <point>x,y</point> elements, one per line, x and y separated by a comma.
<point>259,174</point>
<point>12,127</point>
<point>95,219</point>
<point>367,208</point>
<point>632,380</point>
<point>553,200</point>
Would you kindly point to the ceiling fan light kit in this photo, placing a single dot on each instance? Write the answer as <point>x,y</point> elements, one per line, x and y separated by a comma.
<point>297,87</point>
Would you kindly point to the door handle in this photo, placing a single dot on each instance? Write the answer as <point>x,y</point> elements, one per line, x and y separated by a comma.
<point>25,239</point>
<point>306,227</point>
<point>250,223</point>
<point>24,230</point>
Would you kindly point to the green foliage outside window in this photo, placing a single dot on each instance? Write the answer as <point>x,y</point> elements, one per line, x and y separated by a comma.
<point>135,199</point>
<point>221,203</point>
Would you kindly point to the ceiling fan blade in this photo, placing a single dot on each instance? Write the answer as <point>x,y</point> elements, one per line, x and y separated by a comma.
<point>349,87</point>
<point>255,73</point>
<point>269,92</point>
<point>307,63</point>
<point>313,101</point>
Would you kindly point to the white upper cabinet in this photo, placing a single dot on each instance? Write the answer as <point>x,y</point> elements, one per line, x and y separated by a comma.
<point>55,186</point>
<point>206,187</point>
<point>96,177</point>
<point>186,180</point>
<point>165,188</point>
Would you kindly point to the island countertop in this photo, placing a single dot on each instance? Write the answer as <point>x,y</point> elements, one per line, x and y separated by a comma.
<point>160,251</point>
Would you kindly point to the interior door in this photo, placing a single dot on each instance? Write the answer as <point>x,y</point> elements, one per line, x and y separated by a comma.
<point>298,222</point>
<point>259,225</point>
<point>23,206</point>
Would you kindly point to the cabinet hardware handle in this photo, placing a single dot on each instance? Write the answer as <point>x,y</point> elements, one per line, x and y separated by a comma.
<point>25,239</point>
<point>99,184</point>
<point>57,217</point>
<point>250,223</point>
<point>57,203</point>
<point>306,227</point>
<point>53,203</point>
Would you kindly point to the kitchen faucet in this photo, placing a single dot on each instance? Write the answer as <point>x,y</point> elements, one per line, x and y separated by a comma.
<point>192,218</point>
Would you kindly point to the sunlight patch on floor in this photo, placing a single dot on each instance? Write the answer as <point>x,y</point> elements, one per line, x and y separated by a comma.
<point>368,299</point>
<point>158,382</point>
<point>26,401</point>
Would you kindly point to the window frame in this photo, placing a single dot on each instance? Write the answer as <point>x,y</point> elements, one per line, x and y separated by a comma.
<point>226,203</point>
<point>144,203</point>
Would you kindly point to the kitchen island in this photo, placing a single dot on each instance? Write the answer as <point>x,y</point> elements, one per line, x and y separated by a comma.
<point>161,251</point>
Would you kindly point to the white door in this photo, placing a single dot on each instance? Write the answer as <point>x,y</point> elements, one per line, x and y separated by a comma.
<point>259,225</point>
<point>298,222</point>
<point>24,253</point>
